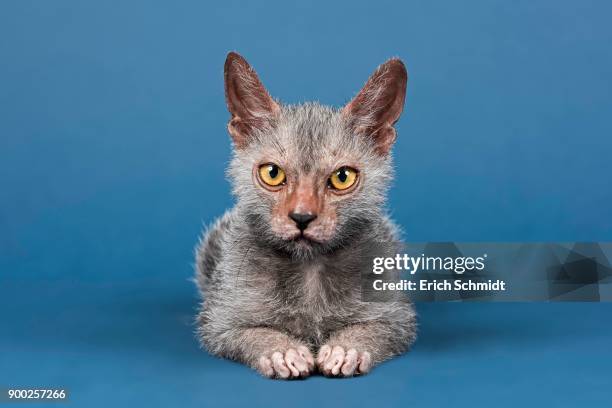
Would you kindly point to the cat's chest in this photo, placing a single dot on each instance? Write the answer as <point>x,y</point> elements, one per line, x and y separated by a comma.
<point>311,301</point>
<point>312,288</point>
<point>311,282</point>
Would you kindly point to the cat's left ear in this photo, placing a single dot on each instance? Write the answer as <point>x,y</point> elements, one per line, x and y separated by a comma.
<point>379,104</point>
<point>247,100</point>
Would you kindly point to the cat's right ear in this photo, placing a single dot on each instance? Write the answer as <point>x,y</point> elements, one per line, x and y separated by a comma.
<point>247,100</point>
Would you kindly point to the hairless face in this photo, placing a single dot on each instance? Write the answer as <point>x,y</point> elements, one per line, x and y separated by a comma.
<point>309,176</point>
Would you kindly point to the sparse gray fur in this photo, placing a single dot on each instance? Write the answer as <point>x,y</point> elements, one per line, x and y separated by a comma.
<point>263,295</point>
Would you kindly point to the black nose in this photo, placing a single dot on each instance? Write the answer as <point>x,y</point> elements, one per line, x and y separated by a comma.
<point>302,220</point>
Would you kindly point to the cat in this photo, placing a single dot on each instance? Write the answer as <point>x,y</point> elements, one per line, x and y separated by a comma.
<point>277,272</point>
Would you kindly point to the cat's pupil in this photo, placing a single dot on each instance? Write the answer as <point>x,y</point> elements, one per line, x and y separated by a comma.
<point>273,171</point>
<point>342,175</point>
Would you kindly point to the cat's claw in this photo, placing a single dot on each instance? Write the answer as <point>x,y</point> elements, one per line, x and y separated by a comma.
<point>294,363</point>
<point>339,362</point>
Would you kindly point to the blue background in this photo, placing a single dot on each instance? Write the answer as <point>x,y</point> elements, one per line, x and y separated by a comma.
<point>112,156</point>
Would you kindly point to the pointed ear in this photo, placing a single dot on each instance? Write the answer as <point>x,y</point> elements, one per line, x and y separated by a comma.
<point>376,108</point>
<point>247,100</point>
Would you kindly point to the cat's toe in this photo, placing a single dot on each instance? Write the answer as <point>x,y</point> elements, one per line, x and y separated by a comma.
<point>264,366</point>
<point>298,365</point>
<point>305,353</point>
<point>364,364</point>
<point>333,363</point>
<point>351,359</point>
<point>280,367</point>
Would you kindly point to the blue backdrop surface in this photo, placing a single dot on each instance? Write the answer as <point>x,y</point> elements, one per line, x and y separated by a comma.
<point>112,156</point>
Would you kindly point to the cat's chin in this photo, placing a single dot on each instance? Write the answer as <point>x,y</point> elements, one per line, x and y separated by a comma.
<point>304,247</point>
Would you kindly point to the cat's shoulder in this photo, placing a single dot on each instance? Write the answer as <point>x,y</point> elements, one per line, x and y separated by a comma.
<point>209,250</point>
<point>386,230</point>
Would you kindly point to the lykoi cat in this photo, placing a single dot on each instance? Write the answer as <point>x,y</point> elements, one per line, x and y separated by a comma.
<point>277,272</point>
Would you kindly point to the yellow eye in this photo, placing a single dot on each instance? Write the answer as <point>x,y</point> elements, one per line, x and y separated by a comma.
<point>271,174</point>
<point>343,178</point>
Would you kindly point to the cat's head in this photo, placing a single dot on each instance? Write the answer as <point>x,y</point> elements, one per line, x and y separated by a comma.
<point>311,178</point>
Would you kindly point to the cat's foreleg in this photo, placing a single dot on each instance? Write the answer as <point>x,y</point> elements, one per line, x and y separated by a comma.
<point>272,353</point>
<point>355,349</point>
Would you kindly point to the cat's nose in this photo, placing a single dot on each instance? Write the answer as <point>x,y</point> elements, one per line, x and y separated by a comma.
<point>302,220</point>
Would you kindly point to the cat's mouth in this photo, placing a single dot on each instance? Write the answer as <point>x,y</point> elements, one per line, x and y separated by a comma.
<point>305,238</point>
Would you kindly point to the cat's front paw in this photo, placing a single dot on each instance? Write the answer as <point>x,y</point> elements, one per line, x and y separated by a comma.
<point>339,361</point>
<point>293,363</point>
